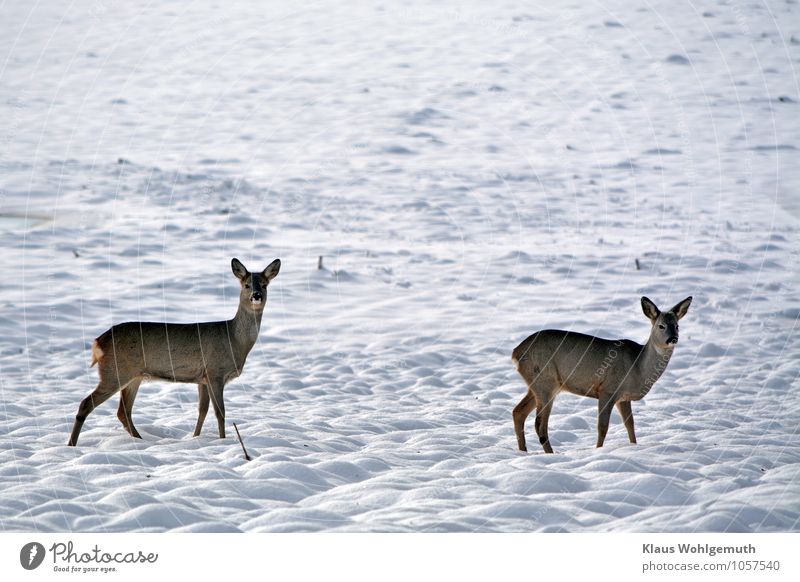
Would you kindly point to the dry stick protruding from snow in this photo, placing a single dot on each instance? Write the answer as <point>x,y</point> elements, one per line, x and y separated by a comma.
<point>241,442</point>
<point>209,354</point>
<point>615,372</point>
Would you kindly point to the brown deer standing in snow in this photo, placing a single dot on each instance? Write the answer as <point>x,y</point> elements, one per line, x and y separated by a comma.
<point>615,372</point>
<point>209,354</point>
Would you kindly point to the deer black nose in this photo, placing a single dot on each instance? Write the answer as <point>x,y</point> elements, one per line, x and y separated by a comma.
<point>673,339</point>
<point>257,296</point>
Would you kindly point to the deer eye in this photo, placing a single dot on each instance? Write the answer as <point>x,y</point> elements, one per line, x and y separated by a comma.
<point>247,286</point>
<point>662,326</point>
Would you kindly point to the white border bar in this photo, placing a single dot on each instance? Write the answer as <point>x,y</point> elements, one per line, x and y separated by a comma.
<point>406,557</point>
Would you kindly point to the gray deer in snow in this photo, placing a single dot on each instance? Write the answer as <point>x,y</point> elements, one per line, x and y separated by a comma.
<point>209,354</point>
<point>615,372</point>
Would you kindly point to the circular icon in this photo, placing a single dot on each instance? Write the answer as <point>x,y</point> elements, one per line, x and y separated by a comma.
<point>31,555</point>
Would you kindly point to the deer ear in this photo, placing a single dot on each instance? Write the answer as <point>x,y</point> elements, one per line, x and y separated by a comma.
<point>650,309</point>
<point>681,308</point>
<point>238,269</point>
<point>272,270</point>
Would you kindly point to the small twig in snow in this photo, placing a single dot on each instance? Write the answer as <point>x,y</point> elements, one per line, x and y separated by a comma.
<point>241,442</point>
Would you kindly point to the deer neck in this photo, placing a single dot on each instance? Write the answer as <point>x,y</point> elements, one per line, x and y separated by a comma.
<point>245,327</point>
<point>654,361</point>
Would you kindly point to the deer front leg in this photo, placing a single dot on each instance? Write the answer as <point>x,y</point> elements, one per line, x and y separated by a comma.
<point>202,408</point>
<point>625,411</point>
<point>215,388</point>
<point>605,405</point>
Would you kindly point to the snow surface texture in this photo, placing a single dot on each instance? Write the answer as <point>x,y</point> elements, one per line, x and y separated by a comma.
<point>470,175</point>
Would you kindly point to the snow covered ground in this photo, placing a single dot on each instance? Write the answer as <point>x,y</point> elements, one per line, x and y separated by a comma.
<point>470,174</point>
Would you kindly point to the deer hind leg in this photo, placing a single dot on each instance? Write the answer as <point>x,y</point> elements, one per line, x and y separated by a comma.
<point>543,410</point>
<point>106,388</point>
<point>604,407</point>
<point>625,411</point>
<point>126,398</point>
<point>521,412</point>
<point>203,400</point>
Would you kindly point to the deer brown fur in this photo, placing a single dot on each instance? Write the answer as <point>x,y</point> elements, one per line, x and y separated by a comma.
<point>615,372</point>
<point>209,354</point>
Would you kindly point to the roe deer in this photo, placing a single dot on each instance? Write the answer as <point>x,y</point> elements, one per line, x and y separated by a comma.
<point>210,354</point>
<point>613,371</point>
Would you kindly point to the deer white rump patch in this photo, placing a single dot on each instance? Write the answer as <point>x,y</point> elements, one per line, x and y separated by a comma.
<point>97,353</point>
